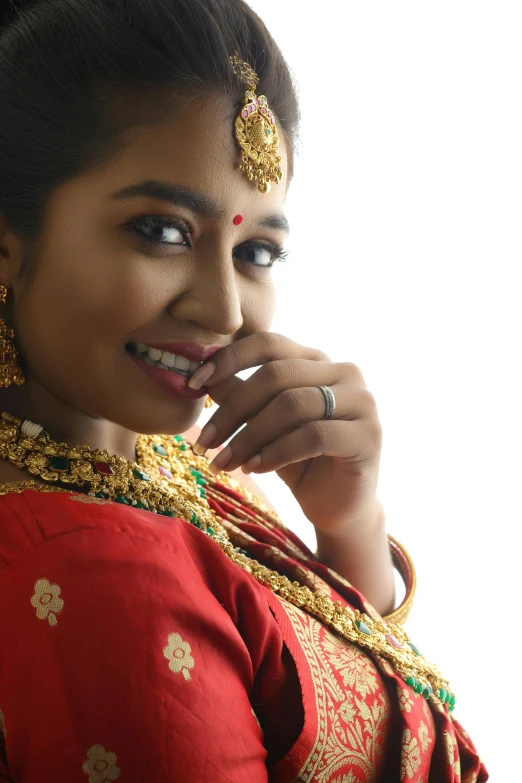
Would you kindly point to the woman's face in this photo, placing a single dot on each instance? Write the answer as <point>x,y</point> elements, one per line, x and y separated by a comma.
<point>99,284</point>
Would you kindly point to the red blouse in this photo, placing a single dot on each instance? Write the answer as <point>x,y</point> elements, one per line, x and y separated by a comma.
<point>133,649</point>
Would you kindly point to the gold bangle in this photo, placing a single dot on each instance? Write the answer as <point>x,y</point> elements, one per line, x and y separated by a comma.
<point>404,565</point>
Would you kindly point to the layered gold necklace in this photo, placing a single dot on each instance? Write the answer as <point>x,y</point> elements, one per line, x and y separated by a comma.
<point>170,480</point>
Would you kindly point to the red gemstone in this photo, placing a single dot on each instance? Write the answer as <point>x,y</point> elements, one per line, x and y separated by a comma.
<point>105,468</point>
<point>393,641</point>
<point>245,113</point>
<point>165,472</point>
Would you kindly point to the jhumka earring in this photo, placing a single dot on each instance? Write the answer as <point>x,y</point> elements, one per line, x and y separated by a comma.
<point>208,402</point>
<point>256,132</point>
<point>10,371</point>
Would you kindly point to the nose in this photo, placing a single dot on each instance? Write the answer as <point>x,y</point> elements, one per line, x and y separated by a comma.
<point>213,296</point>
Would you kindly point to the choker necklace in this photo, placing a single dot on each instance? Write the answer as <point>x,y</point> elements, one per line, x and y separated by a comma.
<point>168,479</point>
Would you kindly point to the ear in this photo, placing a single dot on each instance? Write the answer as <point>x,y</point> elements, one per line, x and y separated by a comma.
<point>11,250</point>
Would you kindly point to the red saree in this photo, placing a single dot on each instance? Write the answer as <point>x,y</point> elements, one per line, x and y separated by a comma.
<point>133,649</point>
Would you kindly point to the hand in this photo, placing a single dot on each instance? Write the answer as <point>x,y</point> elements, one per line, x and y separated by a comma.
<point>331,466</point>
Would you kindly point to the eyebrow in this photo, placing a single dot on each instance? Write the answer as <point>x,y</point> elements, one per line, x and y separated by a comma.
<point>190,199</point>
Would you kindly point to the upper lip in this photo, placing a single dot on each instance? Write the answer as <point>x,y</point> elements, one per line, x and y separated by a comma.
<point>194,352</point>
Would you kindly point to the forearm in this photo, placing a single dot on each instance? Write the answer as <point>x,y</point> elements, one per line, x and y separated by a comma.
<point>362,555</point>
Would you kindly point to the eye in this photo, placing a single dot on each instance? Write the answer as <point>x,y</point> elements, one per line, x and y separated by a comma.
<point>260,254</point>
<point>160,231</point>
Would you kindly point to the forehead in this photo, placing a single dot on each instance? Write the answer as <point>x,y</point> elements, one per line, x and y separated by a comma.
<point>197,148</point>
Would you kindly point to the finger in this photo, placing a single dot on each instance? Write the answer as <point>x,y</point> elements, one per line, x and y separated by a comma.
<point>288,411</point>
<point>244,400</point>
<point>342,439</point>
<point>251,351</point>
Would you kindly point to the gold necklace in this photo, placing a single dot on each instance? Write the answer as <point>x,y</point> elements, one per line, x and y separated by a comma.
<point>168,479</point>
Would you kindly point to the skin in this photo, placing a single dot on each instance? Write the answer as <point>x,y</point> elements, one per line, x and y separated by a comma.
<point>96,285</point>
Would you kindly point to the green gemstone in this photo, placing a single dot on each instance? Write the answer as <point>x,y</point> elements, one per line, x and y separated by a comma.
<point>158,448</point>
<point>243,552</point>
<point>183,447</point>
<point>414,648</point>
<point>179,438</point>
<point>448,697</point>
<point>59,463</point>
<point>452,701</point>
<point>201,481</point>
<point>100,495</point>
<point>196,472</point>
<point>139,505</point>
<point>419,687</point>
<point>427,691</point>
<point>210,531</point>
<point>442,694</point>
<point>141,475</point>
<point>122,499</point>
<point>168,513</point>
<point>198,524</point>
<point>411,681</point>
<point>363,628</point>
<point>451,707</point>
<point>194,517</point>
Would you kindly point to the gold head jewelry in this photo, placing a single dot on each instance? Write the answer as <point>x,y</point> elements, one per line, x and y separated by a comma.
<point>10,371</point>
<point>256,132</point>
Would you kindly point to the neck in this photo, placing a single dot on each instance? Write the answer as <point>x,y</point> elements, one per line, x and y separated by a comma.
<point>64,423</point>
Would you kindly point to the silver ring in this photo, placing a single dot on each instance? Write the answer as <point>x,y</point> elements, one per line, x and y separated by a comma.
<point>330,401</point>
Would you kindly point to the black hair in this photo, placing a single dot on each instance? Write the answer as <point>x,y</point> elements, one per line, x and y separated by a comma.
<point>77,75</point>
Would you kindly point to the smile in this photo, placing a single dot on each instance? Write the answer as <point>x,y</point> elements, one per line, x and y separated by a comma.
<point>164,360</point>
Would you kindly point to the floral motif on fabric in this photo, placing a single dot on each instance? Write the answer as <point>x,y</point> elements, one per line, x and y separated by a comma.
<point>100,765</point>
<point>353,710</point>
<point>411,758</point>
<point>46,601</point>
<point>405,699</point>
<point>424,736</point>
<point>452,754</point>
<point>177,652</point>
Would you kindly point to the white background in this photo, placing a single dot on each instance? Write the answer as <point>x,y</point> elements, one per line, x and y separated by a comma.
<point>405,259</point>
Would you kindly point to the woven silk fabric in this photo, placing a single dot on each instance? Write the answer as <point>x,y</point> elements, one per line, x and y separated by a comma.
<point>133,649</point>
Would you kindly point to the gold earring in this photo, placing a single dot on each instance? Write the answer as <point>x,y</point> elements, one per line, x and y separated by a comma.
<point>208,402</point>
<point>10,371</point>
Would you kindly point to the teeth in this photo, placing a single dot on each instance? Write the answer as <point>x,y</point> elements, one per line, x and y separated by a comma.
<point>181,363</point>
<point>166,360</point>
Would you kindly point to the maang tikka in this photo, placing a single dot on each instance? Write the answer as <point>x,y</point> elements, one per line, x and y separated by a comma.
<point>256,132</point>
<point>10,371</point>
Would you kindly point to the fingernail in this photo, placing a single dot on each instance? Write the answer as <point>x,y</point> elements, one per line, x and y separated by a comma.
<point>222,459</point>
<point>201,375</point>
<point>252,464</point>
<point>207,436</point>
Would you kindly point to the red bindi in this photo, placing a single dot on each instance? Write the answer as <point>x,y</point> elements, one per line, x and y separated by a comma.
<point>237,220</point>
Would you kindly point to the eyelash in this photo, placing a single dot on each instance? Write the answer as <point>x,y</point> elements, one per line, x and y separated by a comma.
<point>278,252</point>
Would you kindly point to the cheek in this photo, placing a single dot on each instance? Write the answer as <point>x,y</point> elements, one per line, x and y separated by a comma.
<point>259,308</point>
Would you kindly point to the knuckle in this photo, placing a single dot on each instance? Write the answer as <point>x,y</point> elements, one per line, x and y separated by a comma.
<point>353,371</point>
<point>291,402</point>
<point>368,401</point>
<point>317,434</point>
<point>277,372</point>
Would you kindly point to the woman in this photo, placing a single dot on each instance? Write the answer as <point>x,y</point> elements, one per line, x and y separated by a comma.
<point>159,621</point>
